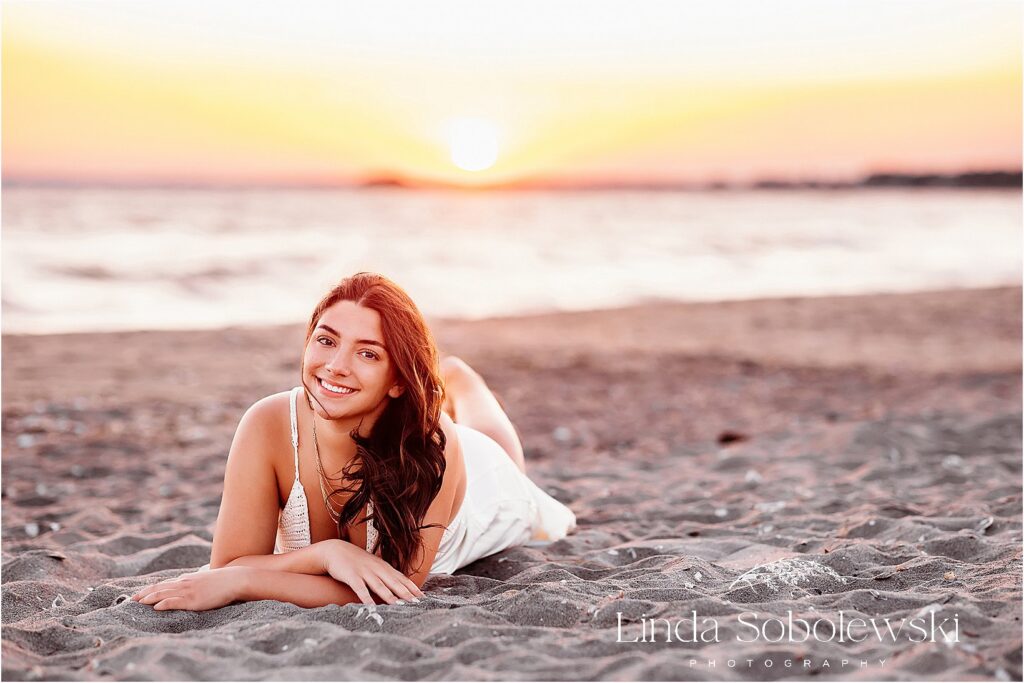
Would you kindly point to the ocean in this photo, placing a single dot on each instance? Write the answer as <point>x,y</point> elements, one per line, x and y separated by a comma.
<point>78,260</point>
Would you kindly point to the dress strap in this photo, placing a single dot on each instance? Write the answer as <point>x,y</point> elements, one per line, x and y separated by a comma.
<point>295,430</point>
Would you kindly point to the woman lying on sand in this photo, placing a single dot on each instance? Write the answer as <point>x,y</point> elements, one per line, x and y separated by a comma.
<point>412,466</point>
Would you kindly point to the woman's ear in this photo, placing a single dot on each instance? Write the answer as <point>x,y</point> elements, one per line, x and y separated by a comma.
<point>396,391</point>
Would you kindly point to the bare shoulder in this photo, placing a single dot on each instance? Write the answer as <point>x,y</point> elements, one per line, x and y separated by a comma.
<point>270,408</point>
<point>264,425</point>
<point>270,414</point>
<point>453,448</point>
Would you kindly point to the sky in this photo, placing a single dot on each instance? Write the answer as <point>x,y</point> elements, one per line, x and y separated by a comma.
<point>478,93</point>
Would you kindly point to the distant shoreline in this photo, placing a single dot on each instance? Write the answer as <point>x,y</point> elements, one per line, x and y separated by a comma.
<point>984,179</point>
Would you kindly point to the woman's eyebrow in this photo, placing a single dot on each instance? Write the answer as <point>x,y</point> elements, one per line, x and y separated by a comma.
<point>368,342</point>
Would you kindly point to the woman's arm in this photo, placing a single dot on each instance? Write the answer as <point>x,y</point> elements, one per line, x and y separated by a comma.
<point>249,508</point>
<point>360,571</point>
<point>308,560</point>
<point>203,590</point>
<point>304,590</point>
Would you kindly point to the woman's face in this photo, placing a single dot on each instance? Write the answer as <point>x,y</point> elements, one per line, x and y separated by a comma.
<point>346,364</point>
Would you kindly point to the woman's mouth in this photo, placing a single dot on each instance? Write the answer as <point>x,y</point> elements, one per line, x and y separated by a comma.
<point>336,389</point>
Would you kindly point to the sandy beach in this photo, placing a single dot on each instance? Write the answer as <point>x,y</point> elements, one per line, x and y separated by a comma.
<point>739,464</point>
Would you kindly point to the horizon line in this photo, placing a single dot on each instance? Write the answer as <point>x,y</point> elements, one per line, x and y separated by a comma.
<point>975,178</point>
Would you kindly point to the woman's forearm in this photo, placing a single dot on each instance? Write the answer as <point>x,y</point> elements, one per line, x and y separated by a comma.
<point>304,590</point>
<point>308,560</point>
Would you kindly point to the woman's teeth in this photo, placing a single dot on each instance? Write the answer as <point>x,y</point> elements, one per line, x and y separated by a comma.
<point>334,389</point>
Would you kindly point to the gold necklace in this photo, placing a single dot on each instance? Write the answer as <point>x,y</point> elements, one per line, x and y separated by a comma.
<point>322,477</point>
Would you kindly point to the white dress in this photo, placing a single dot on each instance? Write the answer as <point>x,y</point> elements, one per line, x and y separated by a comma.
<point>502,507</point>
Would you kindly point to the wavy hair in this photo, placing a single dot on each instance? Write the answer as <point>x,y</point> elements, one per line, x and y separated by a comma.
<point>401,463</point>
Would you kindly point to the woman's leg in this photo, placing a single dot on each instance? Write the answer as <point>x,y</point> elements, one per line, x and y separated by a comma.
<point>470,403</point>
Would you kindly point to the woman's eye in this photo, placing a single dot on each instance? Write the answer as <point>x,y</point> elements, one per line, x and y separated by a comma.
<point>370,354</point>
<point>324,340</point>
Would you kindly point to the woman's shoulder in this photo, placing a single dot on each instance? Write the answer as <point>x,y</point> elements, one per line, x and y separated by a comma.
<point>269,412</point>
<point>270,407</point>
<point>453,447</point>
<point>266,423</point>
<point>262,439</point>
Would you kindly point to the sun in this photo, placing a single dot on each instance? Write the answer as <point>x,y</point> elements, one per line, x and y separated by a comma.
<point>473,143</point>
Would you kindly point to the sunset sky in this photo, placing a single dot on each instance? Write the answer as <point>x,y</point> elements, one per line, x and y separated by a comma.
<point>481,93</point>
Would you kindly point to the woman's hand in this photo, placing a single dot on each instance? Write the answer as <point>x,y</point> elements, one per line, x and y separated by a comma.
<point>196,591</point>
<point>363,572</point>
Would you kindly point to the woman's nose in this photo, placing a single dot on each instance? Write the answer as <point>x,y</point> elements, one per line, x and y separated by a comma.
<point>338,365</point>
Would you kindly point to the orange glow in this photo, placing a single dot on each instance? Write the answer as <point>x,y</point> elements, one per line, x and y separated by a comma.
<point>130,106</point>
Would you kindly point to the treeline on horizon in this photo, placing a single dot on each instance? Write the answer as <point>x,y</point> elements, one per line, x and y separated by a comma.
<point>971,179</point>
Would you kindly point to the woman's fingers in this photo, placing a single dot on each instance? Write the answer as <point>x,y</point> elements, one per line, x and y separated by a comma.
<point>407,582</point>
<point>156,596</point>
<point>374,579</point>
<point>388,570</point>
<point>413,587</point>
<point>143,592</point>
<point>381,589</point>
<point>146,590</point>
<point>359,588</point>
<point>161,585</point>
<point>398,586</point>
<point>175,602</point>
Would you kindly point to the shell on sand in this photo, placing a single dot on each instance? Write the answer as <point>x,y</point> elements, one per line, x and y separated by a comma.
<point>787,572</point>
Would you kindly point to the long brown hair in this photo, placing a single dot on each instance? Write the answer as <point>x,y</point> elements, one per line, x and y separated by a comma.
<point>400,464</point>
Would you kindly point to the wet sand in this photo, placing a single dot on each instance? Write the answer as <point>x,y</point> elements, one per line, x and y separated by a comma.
<point>791,456</point>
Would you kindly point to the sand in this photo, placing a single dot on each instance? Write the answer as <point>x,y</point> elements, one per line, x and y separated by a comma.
<point>788,457</point>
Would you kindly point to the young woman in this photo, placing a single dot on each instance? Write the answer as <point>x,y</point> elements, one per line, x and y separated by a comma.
<point>384,466</point>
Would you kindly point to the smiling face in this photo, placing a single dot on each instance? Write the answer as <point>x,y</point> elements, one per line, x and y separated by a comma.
<point>346,364</point>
